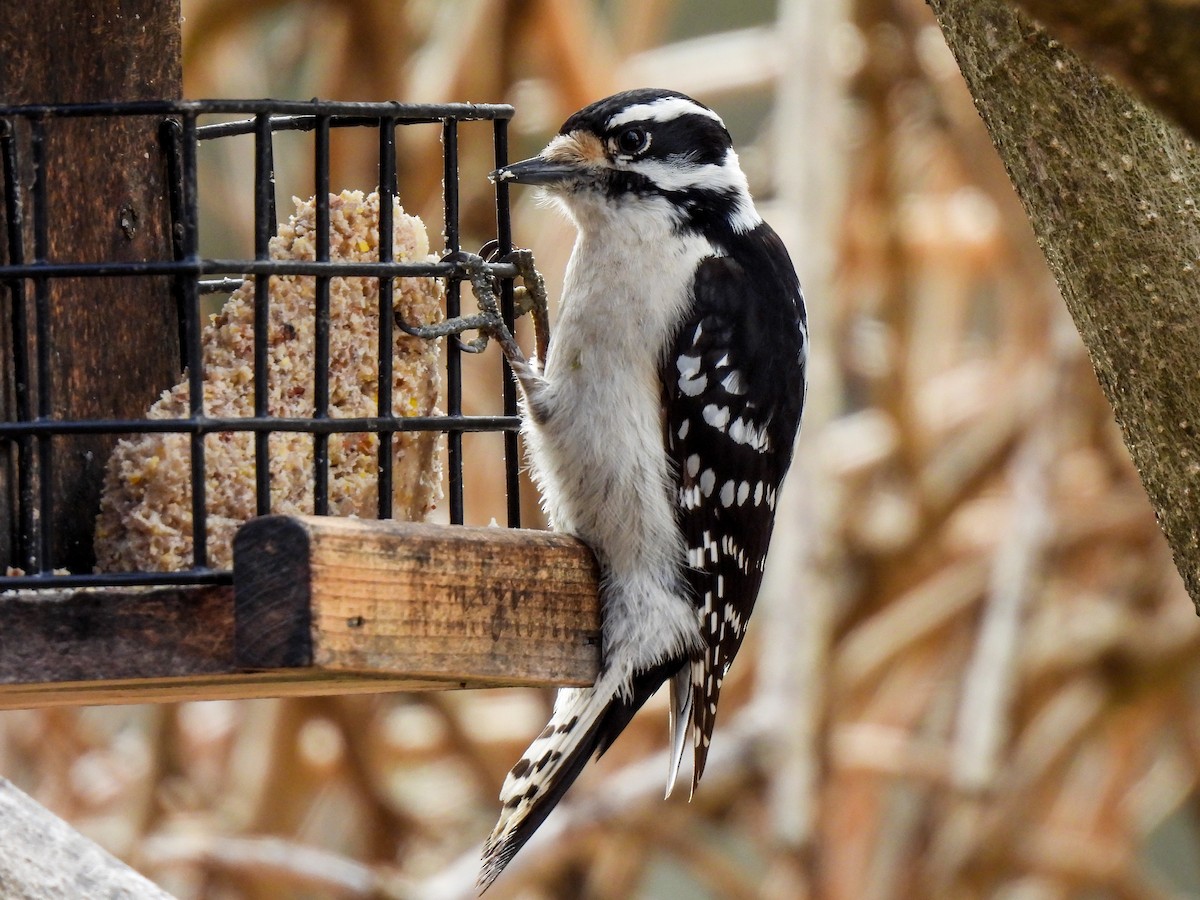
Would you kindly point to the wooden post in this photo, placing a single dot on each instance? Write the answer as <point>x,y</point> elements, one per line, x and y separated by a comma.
<point>113,341</point>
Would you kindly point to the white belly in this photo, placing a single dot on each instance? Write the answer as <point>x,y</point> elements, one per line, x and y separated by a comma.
<point>598,456</point>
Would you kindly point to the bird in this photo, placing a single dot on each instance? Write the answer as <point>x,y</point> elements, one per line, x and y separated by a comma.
<point>660,424</point>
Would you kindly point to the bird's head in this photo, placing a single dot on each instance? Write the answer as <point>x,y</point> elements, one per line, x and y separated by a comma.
<point>643,156</point>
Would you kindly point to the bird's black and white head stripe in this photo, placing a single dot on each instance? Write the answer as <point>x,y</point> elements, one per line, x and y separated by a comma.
<point>642,145</point>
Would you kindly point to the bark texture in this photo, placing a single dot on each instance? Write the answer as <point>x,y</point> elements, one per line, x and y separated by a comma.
<point>1111,190</point>
<point>1151,45</point>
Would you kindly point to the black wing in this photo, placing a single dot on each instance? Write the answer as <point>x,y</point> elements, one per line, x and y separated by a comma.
<point>733,384</point>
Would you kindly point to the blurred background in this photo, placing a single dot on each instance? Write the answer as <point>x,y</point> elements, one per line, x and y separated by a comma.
<point>973,668</point>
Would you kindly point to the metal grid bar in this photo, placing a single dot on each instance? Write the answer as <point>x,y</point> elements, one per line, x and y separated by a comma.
<point>504,240</point>
<point>209,425</point>
<point>41,325</point>
<point>196,267</point>
<point>264,227</point>
<point>195,356</point>
<point>26,282</point>
<point>283,110</point>
<point>23,552</point>
<point>321,325</point>
<point>171,137</point>
<point>387,324</point>
<point>453,308</point>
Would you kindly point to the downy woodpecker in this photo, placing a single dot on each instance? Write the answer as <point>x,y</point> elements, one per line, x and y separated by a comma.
<point>660,423</point>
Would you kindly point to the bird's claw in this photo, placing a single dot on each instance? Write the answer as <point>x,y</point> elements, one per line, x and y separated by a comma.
<point>486,322</point>
<point>489,322</point>
<point>533,299</point>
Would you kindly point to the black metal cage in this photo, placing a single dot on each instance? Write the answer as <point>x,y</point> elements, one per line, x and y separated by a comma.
<point>31,427</point>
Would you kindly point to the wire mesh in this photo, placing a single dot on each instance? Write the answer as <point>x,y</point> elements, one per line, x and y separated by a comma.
<point>28,433</point>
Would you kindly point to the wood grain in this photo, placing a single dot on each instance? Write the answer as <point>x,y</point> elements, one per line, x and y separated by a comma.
<point>113,341</point>
<point>71,636</point>
<point>420,600</point>
<point>319,606</point>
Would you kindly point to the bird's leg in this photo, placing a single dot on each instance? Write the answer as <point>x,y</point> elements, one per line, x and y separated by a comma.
<point>533,300</point>
<point>451,327</point>
<point>532,383</point>
<point>484,287</point>
<point>458,324</point>
<point>484,322</point>
<point>489,322</point>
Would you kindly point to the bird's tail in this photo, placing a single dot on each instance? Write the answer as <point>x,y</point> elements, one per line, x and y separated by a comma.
<point>539,780</point>
<point>585,721</point>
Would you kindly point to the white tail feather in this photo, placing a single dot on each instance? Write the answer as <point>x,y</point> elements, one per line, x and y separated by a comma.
<point>534,778</point>
<point>680,722</point>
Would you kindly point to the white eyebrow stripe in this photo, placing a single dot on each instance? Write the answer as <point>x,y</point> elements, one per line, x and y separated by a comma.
<point>662,110</point>
<point>678,174</point>
<point>728,176</point>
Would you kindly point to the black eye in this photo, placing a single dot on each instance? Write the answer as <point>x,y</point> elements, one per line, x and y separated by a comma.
<point>633,140</point>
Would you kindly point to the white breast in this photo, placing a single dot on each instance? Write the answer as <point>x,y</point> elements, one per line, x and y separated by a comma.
<point>598,457</point>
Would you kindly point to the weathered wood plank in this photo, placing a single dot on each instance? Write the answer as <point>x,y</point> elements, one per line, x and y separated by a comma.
<point>45,859</point>
<point>233,686</point>
<point>417,600</point>
<point>319,606</point>
<point>73,636</point>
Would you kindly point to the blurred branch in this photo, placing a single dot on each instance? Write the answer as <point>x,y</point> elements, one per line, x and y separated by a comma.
<point>45,859</point>
<point>806,578</point>
<point>750,58</point>
<point>621,796</point>
<point>910,618</point>
<point>984,717</point>
<point>278,862</point>
<point>643,23</point>
<point>388,823</point>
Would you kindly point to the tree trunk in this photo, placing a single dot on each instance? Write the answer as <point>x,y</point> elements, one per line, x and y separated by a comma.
<point>1149,44</point>
<point>1111,190</point>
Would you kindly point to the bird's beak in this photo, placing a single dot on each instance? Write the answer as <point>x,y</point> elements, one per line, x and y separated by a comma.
<point>537,170</point>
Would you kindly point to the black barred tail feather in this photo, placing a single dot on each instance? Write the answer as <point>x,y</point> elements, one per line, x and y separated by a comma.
<point>680,723</point>
<point>694,695</point>
<point>586,721</point>
<point>539,780</point>
<point>705,690</point>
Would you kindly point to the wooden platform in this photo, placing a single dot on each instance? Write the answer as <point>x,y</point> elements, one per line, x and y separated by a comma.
<point>318,606</point>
